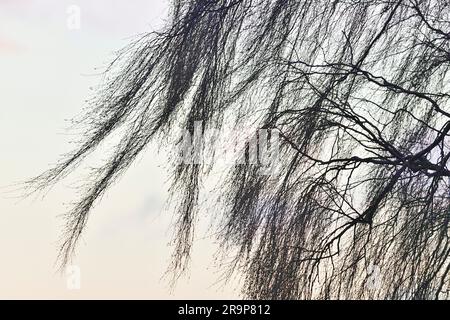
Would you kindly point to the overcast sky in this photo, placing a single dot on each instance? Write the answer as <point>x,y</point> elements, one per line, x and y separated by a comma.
<point>46,70</point>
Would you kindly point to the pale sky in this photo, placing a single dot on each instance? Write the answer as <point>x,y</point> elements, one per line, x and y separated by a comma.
<point>46,71</point>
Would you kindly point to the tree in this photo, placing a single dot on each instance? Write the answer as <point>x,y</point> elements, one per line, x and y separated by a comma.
<point>357,92</point>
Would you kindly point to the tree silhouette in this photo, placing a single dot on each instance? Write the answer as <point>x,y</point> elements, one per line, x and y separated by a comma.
<point>357,91</point>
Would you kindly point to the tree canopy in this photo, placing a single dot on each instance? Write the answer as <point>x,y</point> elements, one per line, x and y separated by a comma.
<point>356,90</point>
